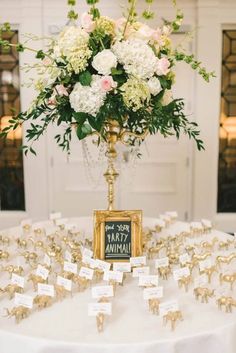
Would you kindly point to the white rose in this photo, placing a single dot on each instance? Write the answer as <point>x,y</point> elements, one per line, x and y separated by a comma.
<point>104,61</point>
<point>154,86</point>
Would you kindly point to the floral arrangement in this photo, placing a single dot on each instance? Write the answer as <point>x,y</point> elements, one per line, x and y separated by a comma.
<point>99,69</point>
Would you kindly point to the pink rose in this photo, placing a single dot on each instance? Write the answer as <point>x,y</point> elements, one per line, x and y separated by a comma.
<point>52,100</point>
<point>87,22</point>
<point>107,83</point>
<point>145,32</point>
<point>60,90</point>
<point>163,66</point>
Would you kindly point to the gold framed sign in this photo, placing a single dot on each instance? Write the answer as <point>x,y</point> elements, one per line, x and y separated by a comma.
<point>117,235</point>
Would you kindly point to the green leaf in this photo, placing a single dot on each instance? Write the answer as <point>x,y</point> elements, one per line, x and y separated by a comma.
<point>32,151</point>
<point>40,55</point>
<point>83,131</point>
<point>95,123</point>
<point>115,71</point>
<point>85,78</point>
<point>80,117</point>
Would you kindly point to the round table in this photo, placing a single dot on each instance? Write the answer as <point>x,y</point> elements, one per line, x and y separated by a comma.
<point>66,326</point>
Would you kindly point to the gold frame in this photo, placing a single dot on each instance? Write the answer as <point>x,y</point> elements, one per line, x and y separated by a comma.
<point>101,216</point>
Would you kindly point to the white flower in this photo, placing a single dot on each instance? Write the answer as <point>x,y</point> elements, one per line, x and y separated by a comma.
<point>104,61</point>
<point>154,85</point>
<point>167,97</point>
<point>137,57</point>
<point>88,99</point>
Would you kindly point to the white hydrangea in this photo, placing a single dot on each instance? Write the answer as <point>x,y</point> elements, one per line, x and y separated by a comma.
<point>154,86</point>
<point>104,61</point>
<point>88,99</point>
<point>137,57</point>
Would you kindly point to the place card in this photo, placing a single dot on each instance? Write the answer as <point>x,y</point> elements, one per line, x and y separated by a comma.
<point>181,272</point>
<point>99,308</point>
<point>122,266</point>
<point>86,272</point>
<point>152,293</point>
<point>184,258</point>
<point>18,280</point>
<point>138,261</point>
<point>68,256</point>
<point>116,276</point>
<point>160,223</point>
<point>148,280</point>
<point>54,216</point>
<point>200,281</point>
<point>206,223</point>
<point>46,289</point>
<point>69,226</point>
<point>196,225</point>
<point>87,252</point>
<point>102,292</point>
<point>103,265</point>
<point>165,307</point>
<point>47,260</point>
<point>205,264</point>
<point>23,300</point>
<point>162,262</point>
<point>42,272</point>
<point>50,230</point>
<point>64,282</point>
<point>61,221</point>
<point>172,214</point>
<point>70,267</point>
<point>141,271</point>
<point>89,261</point>
<point>165,217</point>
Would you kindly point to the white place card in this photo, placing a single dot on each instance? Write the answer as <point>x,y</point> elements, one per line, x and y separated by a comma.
<point>163,262</point>
<point>103,265</point>
<point>160,223</point>
<point>50,230</point>
<point>61,221</point>
<point>184,258</point>
<point>68,256</point>
<point>122,266</point>
<point>37,226</point>
<point>207,223</point>
<point>102,292</point>
<point>205,264</point>
<point>18,280</point>
<point>165,307</point>
<point>141,271</point>
<point>86,272</point>
<point>70,267</point>
<point>113,276</point>
<point>172,214</point>
<point>89,261</point>
<point>152,293</point>
<point>138,261</point>
<point>47,260</point>
<point>99,308</point>
<point>87,252</point>
<point>200,281</point>
<point>23,300</point>
<point>46,289</point>
<point>181,272</point>
<point>26,222</point>
<point>42,272</point>
<point>54,216</point>
<point>70,226</point>
<point>196,225</point>
<point>148,280</point>
<point>64,282</point>
<point>165,217</point>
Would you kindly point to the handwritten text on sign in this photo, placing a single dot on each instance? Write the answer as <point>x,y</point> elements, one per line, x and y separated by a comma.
<point>118,240</point>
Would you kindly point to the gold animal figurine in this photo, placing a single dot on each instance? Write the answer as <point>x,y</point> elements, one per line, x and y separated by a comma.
<point>204,293</point>
<point>18,270</point>
<point>35,279</point>
<point>20,312</point>
<point>81,282</point>
<point>100,321</point>
<point>185,281</point>
<point>209,272</point>
<point>173,257</point>
<point>27,228</point>
<point>190,249</point>
<point>21,243</point>
<point>37,244</point>
<point>30,257</point>
<point>224,245</point>
<point>209,246</point>
<point>172,316</point>
<point>154,306</point>
<point>164,272</point>
<point>61,292</point>
<point>228,278</point>
<point>227,302</point>
<point>11,289</point>
<point>154,251</point>
<point>225,259</point>
<point>43,301</point>
<point>201,257</point>
<point>5,241</point>
<point>4,255</point>
<point>98,274</point>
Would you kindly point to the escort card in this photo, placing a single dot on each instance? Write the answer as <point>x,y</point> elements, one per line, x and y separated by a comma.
<point>138,261</point>
<point>122,266</point>
<point>61,221</point>
<point>42,272</point>
<point>102,292</point>
<point>103,265</point>
<point>206,223</point>
<point>68,256</point>
<point>172,214</point>
<point>18,280</point>
<point>141,271</point>
<point>54,216</point>
<point>151,293</point>
<point>87,252</point>
<point>99,308</point>
<point>113,276</point>
<point>181,272</point>
<point>165,217</point>
<point>86,272</point>
<point>200,281</point>
<point>160,223</point>
<point>89,261</point>
<point>163,262</point>
<point>205,264</point>
<point>69,226</point>
<point>66,283</point>
<point>148,280</point>
<point>70,267</point>
<point>23,300</point>
<point>47,260</point>
<point>50,230</point>
<point>46,289</point>
<point>196,225</point>
<point>184,258</point>
<point>165,307</point>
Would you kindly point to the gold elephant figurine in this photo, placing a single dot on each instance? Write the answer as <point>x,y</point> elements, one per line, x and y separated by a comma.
<point>11,289</point>
<point>20,312</point>
<point>227,302</point>
<point>204,293</point>
<point>154,305</point>
<point>43,301</point>
<point>228,278</point>
<point>30,257</point>
<point>35,279</point>
<point>185,281</point>
<point>172,316</point>
<point>18,270</point>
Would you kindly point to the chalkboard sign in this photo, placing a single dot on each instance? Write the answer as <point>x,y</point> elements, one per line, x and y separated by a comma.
<point>118,240</point>
<point>117,235</point>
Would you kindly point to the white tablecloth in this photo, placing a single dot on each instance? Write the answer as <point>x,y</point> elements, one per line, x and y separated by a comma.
<point>66,327</point>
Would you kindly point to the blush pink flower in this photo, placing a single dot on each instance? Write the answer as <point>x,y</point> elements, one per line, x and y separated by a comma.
<point>107,83</point>
<point>60,90</point>
<point>163,66</point>
<point>52,100</point>
<point>87,22</point>
<point>47,61</point>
